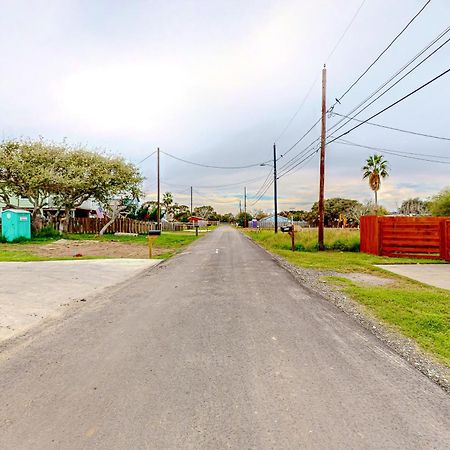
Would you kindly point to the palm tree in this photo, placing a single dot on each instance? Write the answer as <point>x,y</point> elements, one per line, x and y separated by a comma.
<point>375,169</point>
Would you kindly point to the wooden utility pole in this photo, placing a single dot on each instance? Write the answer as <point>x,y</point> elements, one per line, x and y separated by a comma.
<point>158,216</point>
<point>191,202</point>
<point>245,207</point>
<point>322,159</point>
<point>275,200</point>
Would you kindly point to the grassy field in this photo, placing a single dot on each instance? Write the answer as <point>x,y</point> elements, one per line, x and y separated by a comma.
<point>416,310</point>
<point>164,246</point>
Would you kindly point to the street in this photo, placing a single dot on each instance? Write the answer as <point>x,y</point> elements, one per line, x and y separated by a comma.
<point>218,347</point>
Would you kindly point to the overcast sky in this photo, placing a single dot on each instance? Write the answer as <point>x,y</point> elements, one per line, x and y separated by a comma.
<point>217,82</point>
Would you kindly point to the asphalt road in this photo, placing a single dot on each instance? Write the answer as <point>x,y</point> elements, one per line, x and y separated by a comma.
<point>217,348</point>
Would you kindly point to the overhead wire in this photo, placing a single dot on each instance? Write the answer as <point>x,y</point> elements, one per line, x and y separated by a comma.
<point>410,155</point>
<point>384,51</point>
<point>445,72</point>
<point>389,80</point>
<point>401,130</point>
<point>308,93</point>
<point>209,166</point>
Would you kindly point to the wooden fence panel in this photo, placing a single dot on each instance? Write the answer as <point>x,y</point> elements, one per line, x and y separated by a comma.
<point>414,237</point>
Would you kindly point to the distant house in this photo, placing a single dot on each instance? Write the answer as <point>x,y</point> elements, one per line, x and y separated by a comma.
<point>87,209</point>
<point>269,221</point>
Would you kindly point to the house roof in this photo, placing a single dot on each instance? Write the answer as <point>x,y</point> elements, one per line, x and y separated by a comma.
<point>272,219</point>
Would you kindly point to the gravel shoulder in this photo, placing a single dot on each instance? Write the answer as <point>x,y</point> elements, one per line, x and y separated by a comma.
<point>314,280</point>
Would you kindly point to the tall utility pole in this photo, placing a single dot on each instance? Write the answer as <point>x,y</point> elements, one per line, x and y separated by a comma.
<point>245,207</point>
<point>158,216</point>
<point>322,159</point>
<point>191,202</point>
<point>275,201</point>
<point>240,207</point>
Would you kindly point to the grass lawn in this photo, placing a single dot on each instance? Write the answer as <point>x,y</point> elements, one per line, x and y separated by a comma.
<point>164,246</point>
<point>418,311</point>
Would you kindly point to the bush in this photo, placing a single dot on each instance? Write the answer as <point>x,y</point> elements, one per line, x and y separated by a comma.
<point>47,232</point>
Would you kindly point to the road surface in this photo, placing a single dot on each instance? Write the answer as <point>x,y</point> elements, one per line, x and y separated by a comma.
<point>217,348</point>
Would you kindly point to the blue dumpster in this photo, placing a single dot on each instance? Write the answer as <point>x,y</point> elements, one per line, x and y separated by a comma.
<point>16,223</point>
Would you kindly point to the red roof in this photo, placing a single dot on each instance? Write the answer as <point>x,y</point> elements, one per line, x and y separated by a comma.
<point>195,219</point>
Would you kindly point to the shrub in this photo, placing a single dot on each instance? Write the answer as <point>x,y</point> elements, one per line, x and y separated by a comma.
<point>46,233</point>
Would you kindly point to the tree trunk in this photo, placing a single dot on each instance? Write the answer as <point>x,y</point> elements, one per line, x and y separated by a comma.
<point>107,225</point>
<point>376,202</point>
<point>64,222</point>
<point>36,221</point>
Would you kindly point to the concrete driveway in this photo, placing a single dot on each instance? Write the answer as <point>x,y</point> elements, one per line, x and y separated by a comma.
<point>33,291</point>
<point>437,275</point>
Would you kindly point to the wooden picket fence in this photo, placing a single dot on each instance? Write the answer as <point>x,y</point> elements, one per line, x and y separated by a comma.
<point>409,237</point>
<point>87,225</point>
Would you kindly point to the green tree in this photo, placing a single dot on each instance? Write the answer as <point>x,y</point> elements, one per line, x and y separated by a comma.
<point>109,180</point>
<point>414,207</point>
<point>205,211</point>
<point>240,218</point>
<point>440,203</point>
<point>29,169</point>
<point>333,208</point>
<point>375,169</point>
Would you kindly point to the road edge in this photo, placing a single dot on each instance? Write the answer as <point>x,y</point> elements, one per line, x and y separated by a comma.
<point>311,280</point>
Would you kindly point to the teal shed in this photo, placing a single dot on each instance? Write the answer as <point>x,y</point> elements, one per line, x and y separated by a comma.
<point>16,223</point>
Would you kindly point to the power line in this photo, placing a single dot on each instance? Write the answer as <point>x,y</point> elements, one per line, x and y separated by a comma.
<point>383,52</point>
<point>393,85</point>
<point>318,74</point>
<point>151,154</point>
<point>395,129</point>
<point>345,31</point>
<point>262,195</point>
<point>211,166</point>
<point>402,154</point>
<point>392,105</point>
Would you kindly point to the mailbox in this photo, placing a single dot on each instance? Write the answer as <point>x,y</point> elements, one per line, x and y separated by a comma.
<point>287,228</point>
<point>152,233</point>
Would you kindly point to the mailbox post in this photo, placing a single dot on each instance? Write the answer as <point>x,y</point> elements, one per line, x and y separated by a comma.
<point>152,235</point>
<point>290,230</point>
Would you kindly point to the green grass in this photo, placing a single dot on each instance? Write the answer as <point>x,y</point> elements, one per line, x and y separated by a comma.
<point>341,261</point>
<point>167,244</point>
<point>418,311</point>
<point>306,239</point>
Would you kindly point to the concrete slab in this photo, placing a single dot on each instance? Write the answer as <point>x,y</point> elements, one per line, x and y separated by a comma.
<point>33,291</point>
<point>437,275</point>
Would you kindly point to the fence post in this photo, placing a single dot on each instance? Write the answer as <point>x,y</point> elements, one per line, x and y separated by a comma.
<point>379,232</point>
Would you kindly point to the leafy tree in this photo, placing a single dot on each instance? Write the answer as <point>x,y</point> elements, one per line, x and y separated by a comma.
<point>259,214</point>
<point>87,175</point>
<point>167,200</point>
<point>333,208</point>
<point>440,203</point>
<point>296,215</point>
<point>375,169</point>
<point>355,212</point>
<point>414,207</point>
<point>227,218</point>
<point>29,169</point>
<point>181,213</point>
<point>240,219</point>
<point>40,171</point>
<point>206,212</point>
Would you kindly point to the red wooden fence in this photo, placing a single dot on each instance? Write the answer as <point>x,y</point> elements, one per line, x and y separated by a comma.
<point>409,237</point>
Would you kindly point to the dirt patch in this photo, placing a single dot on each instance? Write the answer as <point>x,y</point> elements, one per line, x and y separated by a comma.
<point>366,279</point>
<point>69,248</point>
